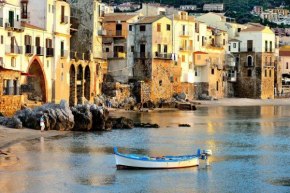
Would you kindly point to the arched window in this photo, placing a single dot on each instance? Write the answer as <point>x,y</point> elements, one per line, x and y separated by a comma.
<point>250,61</point>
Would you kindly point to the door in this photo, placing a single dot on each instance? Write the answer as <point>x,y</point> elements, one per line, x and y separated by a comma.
<point>212,42</point>
<point>142,50</point>
<point>11,18</point>
<point>250,45</point>
<point>119,30</point>
<point>62,14</point>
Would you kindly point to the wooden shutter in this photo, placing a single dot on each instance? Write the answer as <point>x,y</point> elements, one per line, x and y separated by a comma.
<point>37,41</point>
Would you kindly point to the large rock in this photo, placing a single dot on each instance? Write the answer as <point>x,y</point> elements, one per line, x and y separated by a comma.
<point>57,116</point>
<point>83,117</point>
<point>11,122</point>
<point>121,123</point>
<point>182,96</point>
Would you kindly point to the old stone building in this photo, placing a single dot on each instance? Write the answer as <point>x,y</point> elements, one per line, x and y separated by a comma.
<point>153,57</point>
<point>10,98</point>
<point>118,44</point>
<point>256,63</point>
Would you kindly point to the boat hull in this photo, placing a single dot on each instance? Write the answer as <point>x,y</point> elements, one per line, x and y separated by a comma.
<point>128,163</point>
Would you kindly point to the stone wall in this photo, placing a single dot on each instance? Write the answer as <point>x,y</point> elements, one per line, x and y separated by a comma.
<point>9,104</point>
<point>119,92</point>
<point>188,89</point>
<point>201,88</point>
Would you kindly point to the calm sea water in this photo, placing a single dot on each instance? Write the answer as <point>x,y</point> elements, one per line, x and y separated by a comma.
<point>251,153</point>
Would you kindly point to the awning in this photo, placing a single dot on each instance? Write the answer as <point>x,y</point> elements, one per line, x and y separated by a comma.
<point>27,74</point>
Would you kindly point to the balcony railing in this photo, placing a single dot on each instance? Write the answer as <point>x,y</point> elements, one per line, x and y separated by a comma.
<point>268,63</point>
<point>141,55</point>
<point>63,53</point>
<point>39,51</point>
<point>29,50</point>
<point>185,33</point>
<point>64,19</point>
<point>102,32</point>
<point>49,52</point>
<point>269,50</point>
<point>249,64</point>
<point>186,48</point>
<point>163,55</point>
<point>1,22</point>
<point>245,49</point>
<point>119,55</point>
<point>13,49</point>
<point>117,33</point>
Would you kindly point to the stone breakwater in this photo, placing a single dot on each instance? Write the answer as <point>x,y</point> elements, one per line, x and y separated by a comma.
<point>61,117</point>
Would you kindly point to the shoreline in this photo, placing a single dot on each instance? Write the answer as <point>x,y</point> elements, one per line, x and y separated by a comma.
<point>10,136</point>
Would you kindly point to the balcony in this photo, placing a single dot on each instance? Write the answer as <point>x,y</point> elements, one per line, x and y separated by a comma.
<point>13,50</point>
<point>268,64</point>
<point>186,48</point>
<point>246,64</point>
<point>64,19</point>
<point>63,53</point>
<point>39,51</point>
<point>49,52</point>
<point>245,49</point>
<point>164,56</point>
<point>185,33</point>
<point>29,50</point>
<point>117,55</point>
<point>141,55</point>
<point>102,32</point>
<point>117,33</point>
<point>269,50</point>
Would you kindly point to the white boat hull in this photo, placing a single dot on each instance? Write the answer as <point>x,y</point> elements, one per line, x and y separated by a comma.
<point>124,162</point>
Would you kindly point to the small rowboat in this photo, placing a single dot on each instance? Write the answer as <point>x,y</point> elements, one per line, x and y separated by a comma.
<point>162,162</point>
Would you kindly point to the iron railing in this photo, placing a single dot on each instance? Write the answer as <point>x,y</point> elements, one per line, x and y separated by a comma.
<point>49,52</point>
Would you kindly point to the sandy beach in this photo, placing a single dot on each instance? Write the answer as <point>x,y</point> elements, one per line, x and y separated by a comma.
<point>10,136</point>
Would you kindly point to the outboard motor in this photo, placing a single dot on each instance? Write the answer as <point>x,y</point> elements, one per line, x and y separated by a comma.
<point>205,156</point>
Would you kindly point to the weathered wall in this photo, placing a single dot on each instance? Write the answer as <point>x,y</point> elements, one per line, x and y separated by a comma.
<point>119,92</point>
<point>9,104</point>
<point>201,88</point>
<point>267,84</point>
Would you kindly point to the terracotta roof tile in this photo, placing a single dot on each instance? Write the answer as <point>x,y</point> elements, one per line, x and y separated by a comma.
<point>284,53</point>
<point>23,24</point>
<point>149,19</point>
<point>253,29</point>
<point>120,16</point>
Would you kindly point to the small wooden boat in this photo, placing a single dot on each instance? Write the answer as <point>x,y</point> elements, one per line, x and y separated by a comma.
<point>162,162</point>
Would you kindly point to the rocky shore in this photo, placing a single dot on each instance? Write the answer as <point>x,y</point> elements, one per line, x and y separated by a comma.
<point>61,117</point>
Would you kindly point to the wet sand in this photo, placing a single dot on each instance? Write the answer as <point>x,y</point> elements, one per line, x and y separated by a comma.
<point>10,136</point>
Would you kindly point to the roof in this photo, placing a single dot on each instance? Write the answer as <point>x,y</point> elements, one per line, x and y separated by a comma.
<point>218,14</point>
<point>149,19</point>
<point>23,24</point>
<point>285,48</point>
<point>119,16</point>
<point>213,28</point>
<point>253,29</point>
<point>284,53</point>
<point>200,52</point>
<point>234,40</point>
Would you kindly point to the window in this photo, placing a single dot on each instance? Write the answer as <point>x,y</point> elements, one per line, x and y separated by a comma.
<point>165,48</point>
<point>270,73</point>
<point>270,46</point>
<point>266,46</point>
<point>107,49</point>
<point>250,61</point>
<point>229,48</point>
<point>24,9</point>
<point>266,73</point>
<point>249,73</point>
<point>47,63</point>
<point>61,65</point>
<point>17,17</point>
<point>130,27</point>
<point>27,40</point>
<point>234,45</point>
<point>160,82</point>
<point>287,65</point>
<point>183,58</point>
<point>13,63</point>
<point>62,14</point>
<point>212,71</point>
<point>37,41</point>
<point>52,9</point>
<point>239,29</point>
<point>132,48</point>
<point>224,42</point>
<point>250,45</point>
<point>158,27</point>
<point>1,39</point>
<point>217,86</point>
<point>198,38</point>
<point>48,43</point>
<point>142,27</point>
<point>168,27</point>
